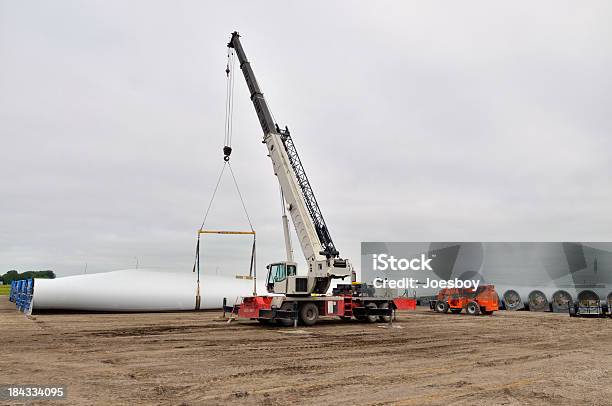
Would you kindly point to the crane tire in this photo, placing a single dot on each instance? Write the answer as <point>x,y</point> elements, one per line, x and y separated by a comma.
<point>384,319</point>
<point>371,319</point>
<point>265,322</point>
<point>286,322</point>
<point>309,314</point>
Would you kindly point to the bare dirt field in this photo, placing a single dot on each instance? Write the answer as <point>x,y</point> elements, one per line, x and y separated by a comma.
<point>424,358</point>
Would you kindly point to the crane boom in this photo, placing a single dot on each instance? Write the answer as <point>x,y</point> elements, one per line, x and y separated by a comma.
<point>313,234</point>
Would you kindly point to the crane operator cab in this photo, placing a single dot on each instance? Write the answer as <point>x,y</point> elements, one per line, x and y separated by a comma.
<point>282,278</point>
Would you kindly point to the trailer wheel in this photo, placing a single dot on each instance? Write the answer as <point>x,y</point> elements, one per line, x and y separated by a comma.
<point>384,319</point>
<point>371,319</point>
<point>288,306</point>
<point>309,314</point>
<point>265,322</point>
<point>572,309</point>
<point>472,309</point>
<point>456,311</point>
<point>441,307</point>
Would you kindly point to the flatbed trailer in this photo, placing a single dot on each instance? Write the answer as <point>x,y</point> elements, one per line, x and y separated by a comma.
<point>307,310</point>
<point>589,308</point>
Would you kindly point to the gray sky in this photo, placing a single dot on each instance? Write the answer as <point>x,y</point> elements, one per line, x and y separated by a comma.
<point>415,121</point>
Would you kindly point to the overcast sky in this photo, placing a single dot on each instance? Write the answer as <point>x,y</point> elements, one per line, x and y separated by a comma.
<point>415,121</point>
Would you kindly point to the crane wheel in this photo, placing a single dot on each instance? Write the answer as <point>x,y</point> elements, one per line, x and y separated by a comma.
<point>309,314</point>
<point>265,322</point>
<point>384,319</point>
<point>441,307</point>
<point>472,309</point>
<point>286,322</point>
<point>371,319</point>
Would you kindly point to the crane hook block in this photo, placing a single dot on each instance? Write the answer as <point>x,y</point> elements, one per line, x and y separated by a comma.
<point>227,151</point>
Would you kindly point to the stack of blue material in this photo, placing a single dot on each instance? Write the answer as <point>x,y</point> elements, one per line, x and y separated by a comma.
<point>13,291</point>
<point>21,293</point>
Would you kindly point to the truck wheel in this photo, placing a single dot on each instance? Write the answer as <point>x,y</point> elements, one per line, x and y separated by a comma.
<point>286,322</point>
<point>265,322</point>
<point>473,309</point>
<point>384,319</point>
<point>456,311</point>
<point>371,319</point>
<point>309,314</point>
<point>572,309</point>
<point>441,307</point>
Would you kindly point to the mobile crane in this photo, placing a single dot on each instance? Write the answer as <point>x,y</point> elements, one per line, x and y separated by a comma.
<point>298,296</point>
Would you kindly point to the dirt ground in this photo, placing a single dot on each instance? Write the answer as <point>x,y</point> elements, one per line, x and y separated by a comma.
<point>424,358</point>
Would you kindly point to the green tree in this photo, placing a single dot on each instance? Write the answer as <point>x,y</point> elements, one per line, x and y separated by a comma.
<point>13,275</point>
<point>10,276</point>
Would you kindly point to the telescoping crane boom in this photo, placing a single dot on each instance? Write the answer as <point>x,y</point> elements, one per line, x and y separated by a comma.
<point>322,257</point>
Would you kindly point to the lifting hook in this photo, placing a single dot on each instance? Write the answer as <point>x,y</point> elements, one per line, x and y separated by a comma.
<point>227,151</point>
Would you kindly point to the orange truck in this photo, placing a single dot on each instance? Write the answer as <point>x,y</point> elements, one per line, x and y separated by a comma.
<point>482,301</point>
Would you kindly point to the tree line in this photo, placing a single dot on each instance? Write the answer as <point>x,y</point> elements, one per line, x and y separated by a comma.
<point>13,275</point>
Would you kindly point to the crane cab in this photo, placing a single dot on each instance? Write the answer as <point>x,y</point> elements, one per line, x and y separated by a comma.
<point>282,278</point>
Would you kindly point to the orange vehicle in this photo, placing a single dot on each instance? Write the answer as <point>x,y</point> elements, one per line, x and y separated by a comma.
<point>482,301</point>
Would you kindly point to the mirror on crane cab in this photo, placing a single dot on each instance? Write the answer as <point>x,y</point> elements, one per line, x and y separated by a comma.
<point>278,274</point>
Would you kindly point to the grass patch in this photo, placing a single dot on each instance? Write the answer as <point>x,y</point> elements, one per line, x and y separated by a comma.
<point>4,290</point>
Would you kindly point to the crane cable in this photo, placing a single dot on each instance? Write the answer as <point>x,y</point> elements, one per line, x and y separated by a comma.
<point>229,165</point>
<point>196,265</point>
<point>227,150</point>
<point>229,103</point>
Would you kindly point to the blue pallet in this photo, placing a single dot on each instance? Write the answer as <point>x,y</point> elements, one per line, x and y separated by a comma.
<point>18,293</point>
<point>22,295</point>
<point>12,291</point>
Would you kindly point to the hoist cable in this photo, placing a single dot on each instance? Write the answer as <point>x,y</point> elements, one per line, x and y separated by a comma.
<point>231,98</point>
<point>227,92</point>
